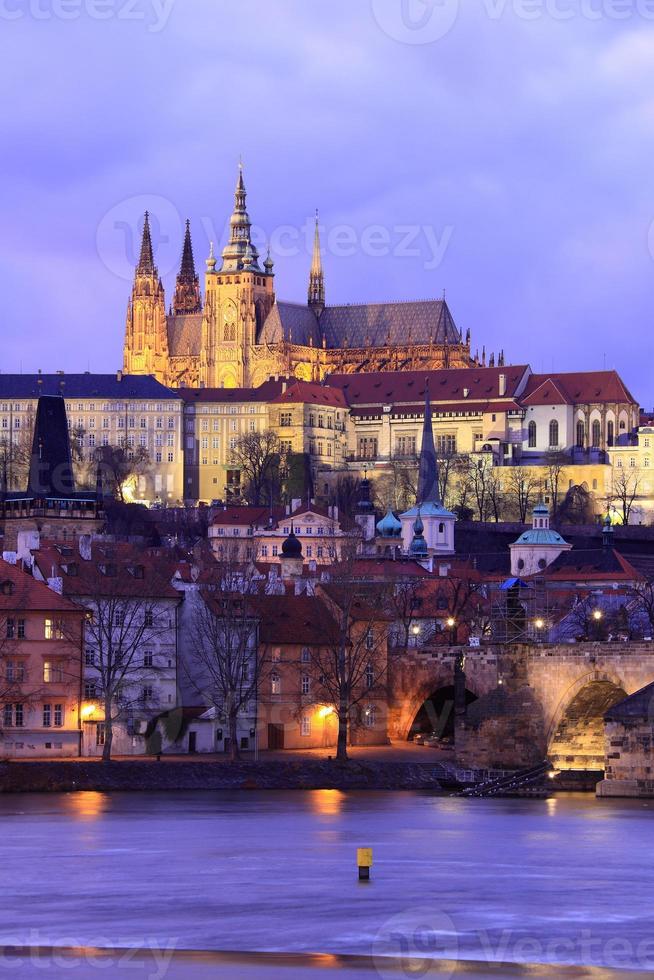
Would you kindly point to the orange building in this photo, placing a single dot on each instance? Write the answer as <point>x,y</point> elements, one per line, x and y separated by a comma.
<point>40,668</point>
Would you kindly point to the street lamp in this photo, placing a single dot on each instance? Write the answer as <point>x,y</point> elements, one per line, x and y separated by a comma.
<point>597,615</point>
<point>451,622</point>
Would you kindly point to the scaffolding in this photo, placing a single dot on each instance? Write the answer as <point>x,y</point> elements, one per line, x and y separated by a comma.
<point>519,611</point>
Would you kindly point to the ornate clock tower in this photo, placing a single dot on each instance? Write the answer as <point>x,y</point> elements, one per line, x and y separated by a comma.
<point>238,297</point>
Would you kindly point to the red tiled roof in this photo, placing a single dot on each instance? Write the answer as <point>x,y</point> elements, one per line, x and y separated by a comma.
<point>440,407</point>
<point>117,569</point>
<point>247,516</point>
<point>293,619</point>
<point>575,387</point>
<point>265,392</point>
<point>311,393</point>
<point>393,387</point>
<point>28,594</point>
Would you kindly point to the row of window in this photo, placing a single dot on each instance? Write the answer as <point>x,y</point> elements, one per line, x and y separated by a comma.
<point>13,715</point>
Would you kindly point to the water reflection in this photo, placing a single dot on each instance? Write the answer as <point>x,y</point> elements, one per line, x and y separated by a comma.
<point>326,802</point>
<point>86,805</point>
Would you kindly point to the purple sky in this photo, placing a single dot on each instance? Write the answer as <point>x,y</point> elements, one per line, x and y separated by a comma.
<point>516,138</point>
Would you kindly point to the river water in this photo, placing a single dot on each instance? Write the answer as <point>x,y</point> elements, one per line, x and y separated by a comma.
<point>567,880</point>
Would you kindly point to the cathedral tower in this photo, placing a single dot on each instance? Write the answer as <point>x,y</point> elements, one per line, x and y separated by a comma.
<point>146,338</point>
<point>316,277</point>
<point>187,298</point>
<point>238,297</point>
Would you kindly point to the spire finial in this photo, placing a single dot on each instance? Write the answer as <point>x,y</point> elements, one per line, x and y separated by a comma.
<point>146,265</point>
<point>187,298</point>
<point>316,277</point>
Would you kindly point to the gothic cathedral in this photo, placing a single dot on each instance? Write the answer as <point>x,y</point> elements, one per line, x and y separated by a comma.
<point>242,334</point>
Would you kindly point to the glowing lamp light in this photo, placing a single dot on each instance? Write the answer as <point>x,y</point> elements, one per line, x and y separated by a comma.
<point>451,622</point>
<point>597,615</point>
<point>539,624</point>
<point>415,630</point>
<point>323,712</point>
<point>87,710</point>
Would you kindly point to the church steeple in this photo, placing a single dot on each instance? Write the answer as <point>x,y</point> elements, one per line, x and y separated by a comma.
<point>240,245</point>
<point>146,266</point>
<point>428,488</point>
<point>187,298</point>
<point>316,277</point>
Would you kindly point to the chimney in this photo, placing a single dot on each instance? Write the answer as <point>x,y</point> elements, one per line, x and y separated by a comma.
<point>283,387</point>
<point>502,385</point>
<point>119,375</point>
<point>466,392</point>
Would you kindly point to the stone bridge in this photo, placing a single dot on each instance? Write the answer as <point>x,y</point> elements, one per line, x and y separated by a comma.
<point>524,702</point>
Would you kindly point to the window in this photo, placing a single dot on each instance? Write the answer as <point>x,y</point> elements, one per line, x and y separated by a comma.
<point>10,628</point>
<point>554,434</point>
<point>370,676</point>
<point>619,464</point>
<point>15,671</point>
<point>53,672</point>
<point>47,715</point>
<point>7,716</point>
<point>58,715</point>
<point>306,655</point>
<point>367,447</point>
<point>99,733</point>
<point>405,446</point>
<point>581,435</point>
<point>306,684</point>
<point>90,690</point>
<point>446,445</point>
<point>148,618</point>
<point>147,692</point>
<point>19,717</point>
<point>275,684</point>
<point>610,434</point>
<point>305,726</point>
<point>596,433</point>
<point>20,629</point>
<point>370,716</point>
<point>147,658</point>
<point>370,640</point>
<point>531,430</point>
<point>53,630</point>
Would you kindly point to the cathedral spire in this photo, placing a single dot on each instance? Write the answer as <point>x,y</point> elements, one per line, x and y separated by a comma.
<point>428,489</point>
<point>240,241</point>
<point>187,298</point>
<point>316,277</point>
<point>146,265</point>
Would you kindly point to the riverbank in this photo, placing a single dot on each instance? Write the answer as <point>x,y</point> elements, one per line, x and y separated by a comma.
<point>65,776</point>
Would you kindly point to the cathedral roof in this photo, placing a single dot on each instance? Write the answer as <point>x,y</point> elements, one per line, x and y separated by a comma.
<point>295,322</point>
<point>184,334</point>
<point>365,325</point>
<point>378,324</point>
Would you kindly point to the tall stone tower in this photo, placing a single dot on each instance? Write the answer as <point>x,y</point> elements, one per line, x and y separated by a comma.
<point>238,297</point>
<point>146,337</point>
<point>187,298</point>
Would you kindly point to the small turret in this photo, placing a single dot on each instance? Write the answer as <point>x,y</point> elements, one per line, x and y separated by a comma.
<point>187,298</point>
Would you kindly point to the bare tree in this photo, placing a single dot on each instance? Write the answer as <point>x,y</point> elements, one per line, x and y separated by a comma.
<point>625,489</point>
<point>352,663</point>
<point>226,663</point>
<point>120,464</point>
<point>260,458</point>
<point>462,495</point>
<point>522,489</point>
<point>555,462</point>
<point>119,630</point>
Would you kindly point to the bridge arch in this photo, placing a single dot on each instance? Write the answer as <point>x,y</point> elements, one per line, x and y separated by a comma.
<point>432,710</point>
<point>576,735</point>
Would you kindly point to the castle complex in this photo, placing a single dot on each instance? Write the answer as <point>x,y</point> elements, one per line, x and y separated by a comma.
<point>241,334</point>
